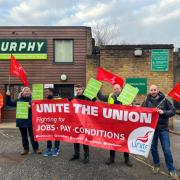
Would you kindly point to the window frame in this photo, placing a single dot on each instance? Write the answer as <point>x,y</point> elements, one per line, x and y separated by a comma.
<point>54,60</point>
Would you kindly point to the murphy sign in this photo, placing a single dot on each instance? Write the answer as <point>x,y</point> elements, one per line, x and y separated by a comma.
<point>23,49</point>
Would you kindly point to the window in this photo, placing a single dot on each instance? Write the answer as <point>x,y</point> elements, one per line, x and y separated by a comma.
<point>64,51</point>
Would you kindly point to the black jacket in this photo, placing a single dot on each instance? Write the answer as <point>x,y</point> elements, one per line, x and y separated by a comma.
<point>162,103</point>
<point>105,98</point>
<point>82,97</point>
<point>21,122</point>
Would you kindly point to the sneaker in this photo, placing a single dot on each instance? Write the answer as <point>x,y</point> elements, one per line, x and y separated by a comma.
<point>110,161</point>
<point>155,169</point>
<point>128,162</point>
<point>47,152</point>
<point>56,152</point>
<point>74,157</point>
<point>173,175</point>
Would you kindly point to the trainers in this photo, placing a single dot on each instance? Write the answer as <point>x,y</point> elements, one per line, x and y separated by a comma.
<point>75,157</point>
<point>128,162</point>
<point>155,170</point>
<point>173,175</point>
<point>110,161</point>
<point>47,152</point>
<point>56,152</point>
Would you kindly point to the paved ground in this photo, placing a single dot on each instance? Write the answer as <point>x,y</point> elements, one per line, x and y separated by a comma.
<point>176,123</point>
<point>36,167</point>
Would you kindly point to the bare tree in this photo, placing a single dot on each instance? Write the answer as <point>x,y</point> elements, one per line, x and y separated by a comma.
<point>105,34</point>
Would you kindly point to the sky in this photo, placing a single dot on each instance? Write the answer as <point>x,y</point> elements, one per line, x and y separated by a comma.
<point>132,21</point>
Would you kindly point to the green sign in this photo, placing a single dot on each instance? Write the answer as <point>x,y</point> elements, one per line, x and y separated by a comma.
<point>37,91</point>
<point>92,88</point>
<point>140,83</point>
<point>128,94</point>
<point>22,110</point>
<point>23,49</point>
<point>159,61</point>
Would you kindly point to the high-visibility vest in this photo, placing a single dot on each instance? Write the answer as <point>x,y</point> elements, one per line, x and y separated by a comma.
<point>110,99</point>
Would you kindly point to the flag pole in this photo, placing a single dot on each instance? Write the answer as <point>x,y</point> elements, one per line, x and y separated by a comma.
<point>9,79</point>
<point>160,102</point>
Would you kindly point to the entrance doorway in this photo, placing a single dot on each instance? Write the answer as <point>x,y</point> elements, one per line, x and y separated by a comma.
<point>64,90</point>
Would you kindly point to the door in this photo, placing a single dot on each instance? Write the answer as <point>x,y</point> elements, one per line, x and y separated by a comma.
<point>64,90</point>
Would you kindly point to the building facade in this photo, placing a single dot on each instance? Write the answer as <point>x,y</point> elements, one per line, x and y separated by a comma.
<point>49,55</point>
<point>61,57</point>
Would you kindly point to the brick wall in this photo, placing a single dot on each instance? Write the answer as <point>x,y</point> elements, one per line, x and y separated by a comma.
<point>120,60</point>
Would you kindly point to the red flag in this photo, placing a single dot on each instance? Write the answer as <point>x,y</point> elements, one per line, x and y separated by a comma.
<point>175,92</point>
<point>103,75</point>
<point>17,70</point>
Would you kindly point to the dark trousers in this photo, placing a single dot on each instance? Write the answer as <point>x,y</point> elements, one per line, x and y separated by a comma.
<point>24,134</point>
<point>112,154</point>
<point>77,149</point>
<point>56,144</point>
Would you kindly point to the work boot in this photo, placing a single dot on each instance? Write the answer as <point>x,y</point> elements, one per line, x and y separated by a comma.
<point>86,159</point>
<point>37,151</point>
<point>128,162</point>
<point>75,157</point>
<point>155,169</point>
<point>110,161</point>
<point>25,152</point>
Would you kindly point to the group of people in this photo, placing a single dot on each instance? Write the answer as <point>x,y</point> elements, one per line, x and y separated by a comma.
<point>155,99</point>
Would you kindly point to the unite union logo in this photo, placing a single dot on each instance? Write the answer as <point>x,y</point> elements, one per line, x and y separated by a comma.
<point>139,141</point>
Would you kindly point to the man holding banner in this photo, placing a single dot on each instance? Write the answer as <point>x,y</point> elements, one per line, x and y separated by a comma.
<point>166,109</point>
<point>79,95</point>
<point>112,99</point>
<point>24,119</point>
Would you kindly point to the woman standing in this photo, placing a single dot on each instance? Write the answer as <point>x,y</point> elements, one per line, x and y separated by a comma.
<point>24,125</point>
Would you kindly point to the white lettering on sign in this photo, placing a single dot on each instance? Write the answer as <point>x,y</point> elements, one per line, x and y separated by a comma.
<point>125,115</point>
<point>40,44</point>
<point>4,46</point>
<point>86,109</point>
<point>31,46</point>
<point>52,108</point>
<point>20,46</point>
<point>13,46</point>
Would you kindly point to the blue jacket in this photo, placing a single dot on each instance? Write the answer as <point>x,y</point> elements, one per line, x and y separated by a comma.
<point>21,122</point>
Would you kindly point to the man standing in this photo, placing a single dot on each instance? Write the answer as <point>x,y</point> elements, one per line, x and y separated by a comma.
<point>112,99</point>
<point>79,95</point>
<point>157,99</point>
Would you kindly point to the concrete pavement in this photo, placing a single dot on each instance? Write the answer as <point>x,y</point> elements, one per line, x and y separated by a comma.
<point>36,167</point>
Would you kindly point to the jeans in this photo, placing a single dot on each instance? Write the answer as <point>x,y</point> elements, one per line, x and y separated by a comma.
<point>56,144</point>
<point>163,135</point>
<point>24,134</point>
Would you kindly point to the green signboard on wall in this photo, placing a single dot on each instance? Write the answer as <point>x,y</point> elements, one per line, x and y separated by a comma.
<point>160,60</point>
<point>23,49</point>
<point>140,83</point>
